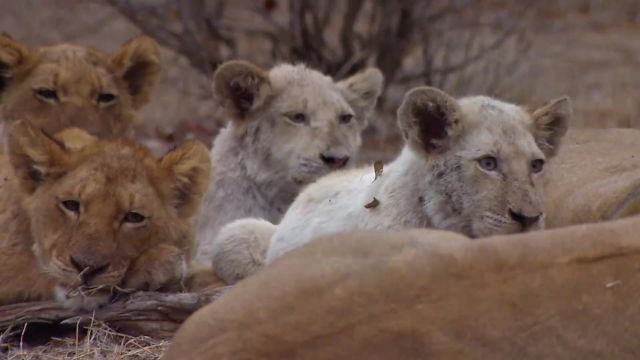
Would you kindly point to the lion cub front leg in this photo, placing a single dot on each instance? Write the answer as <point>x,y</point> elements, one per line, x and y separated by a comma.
<point>21,278</point>
<point>162,267</point>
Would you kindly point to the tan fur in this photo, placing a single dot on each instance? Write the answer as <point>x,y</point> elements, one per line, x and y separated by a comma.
<point>594,177</point>
<point>557,294</point>
<point>44,244</point>
<point>81,78</point>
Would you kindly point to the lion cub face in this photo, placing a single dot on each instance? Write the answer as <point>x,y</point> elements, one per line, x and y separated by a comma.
<point>305,122</point>
<point>487,158</point>
<point>62,86</point>
<point>98,208</point>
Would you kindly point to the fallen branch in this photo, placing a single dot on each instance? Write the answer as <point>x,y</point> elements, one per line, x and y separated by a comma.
<point>144,313</point>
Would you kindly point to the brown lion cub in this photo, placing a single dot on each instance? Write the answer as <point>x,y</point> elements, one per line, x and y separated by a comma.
<point>82,217</point>
<point>61,86</point>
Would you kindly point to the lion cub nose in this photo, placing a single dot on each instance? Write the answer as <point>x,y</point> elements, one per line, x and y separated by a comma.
<point>524,220</point>
<point>334,162</point>
<point>87,271</point>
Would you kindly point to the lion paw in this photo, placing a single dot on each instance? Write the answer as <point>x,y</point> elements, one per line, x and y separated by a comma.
<point>161,267</point>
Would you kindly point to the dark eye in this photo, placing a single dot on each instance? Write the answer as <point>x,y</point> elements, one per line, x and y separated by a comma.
<point>488,163</point>
<point>105,98</point>
<point>71,205</point>
<point>133,217</point>
<point>47,94</point>
<point>345,118</point>
<point>298,118</point>
<point>537,165</point>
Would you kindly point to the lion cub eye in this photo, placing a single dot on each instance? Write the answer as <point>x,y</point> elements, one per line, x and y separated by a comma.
<point>133,217</point>
<point>105,98</point>
<point>488,163</point>
<point>71,205</point>
<point>298,118</point>
<point>345,118</point>
<point>48,95</point>
<point>537,165</point>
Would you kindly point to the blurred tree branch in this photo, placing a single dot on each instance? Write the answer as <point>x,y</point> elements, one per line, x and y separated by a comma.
<point>461,46</point>
<point>184,26</point>
<point>338,37</point>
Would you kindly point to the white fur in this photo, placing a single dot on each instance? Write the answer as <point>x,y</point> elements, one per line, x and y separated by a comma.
<point>410,194</point>
<point>240,248</point>
<point>261,163</point>
<point>336,204</point>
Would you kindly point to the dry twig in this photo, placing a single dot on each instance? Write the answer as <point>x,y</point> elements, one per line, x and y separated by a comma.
<point>143,313</point>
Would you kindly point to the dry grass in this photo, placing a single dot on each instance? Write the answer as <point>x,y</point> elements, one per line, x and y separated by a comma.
<point>97,341</point>
<point>47,330</point>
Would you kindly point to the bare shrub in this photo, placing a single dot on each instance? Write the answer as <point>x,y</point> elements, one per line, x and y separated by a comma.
<point>462,46</point>
<point>448,44</point>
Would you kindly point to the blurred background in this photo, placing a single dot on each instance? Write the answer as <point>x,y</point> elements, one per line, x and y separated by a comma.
<point>520,51</point>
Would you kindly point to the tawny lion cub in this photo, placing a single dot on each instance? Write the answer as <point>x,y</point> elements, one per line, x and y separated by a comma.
<point>82,218</point>
<point>472,166</point>
<point>61,86</point>
<point>288,126</point>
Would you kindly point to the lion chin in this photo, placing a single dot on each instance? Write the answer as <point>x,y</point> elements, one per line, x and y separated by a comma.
<point>78,300</point>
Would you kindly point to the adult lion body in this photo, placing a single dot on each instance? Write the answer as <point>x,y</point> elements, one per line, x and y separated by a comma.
<point>82,217</point>
<point>556,294</point>
<point>61,86</point>
<point>595,177</point>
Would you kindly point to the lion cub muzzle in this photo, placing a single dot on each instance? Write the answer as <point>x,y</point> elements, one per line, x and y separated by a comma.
<point>334,162</point>
<point>525,221</point>
<point>86,272</point>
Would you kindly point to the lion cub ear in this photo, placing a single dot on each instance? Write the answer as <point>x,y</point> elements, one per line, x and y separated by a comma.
<point>35,156</point>
<point>240,87</point>
<point>12,55</point>
<point>430,120</point>
<point>362,91</point>
<point>137,62</point>
<point>551,123</point>
<point>187,170</point>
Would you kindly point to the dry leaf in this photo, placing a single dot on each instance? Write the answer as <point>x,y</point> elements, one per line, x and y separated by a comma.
<point>373,204</point>
<point>377,169</point>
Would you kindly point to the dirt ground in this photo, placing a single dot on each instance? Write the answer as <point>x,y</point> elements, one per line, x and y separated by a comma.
<point>589,50</point>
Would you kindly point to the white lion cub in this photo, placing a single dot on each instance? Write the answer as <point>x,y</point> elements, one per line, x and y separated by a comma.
<point>472,166</point>
<point>289,126</point>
